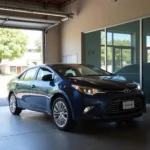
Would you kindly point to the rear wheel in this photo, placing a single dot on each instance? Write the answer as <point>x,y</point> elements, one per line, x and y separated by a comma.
<point>13,105</point>
<point>62,115</point>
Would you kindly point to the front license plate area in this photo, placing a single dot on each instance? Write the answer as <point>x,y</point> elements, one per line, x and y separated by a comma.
<point>128,105</point>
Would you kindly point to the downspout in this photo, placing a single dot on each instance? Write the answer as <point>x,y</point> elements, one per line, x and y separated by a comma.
<point>44,36</point>
<point>5,22</point>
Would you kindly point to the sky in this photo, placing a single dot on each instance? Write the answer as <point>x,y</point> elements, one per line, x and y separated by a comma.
<point>32,37</point>
<point>117,36</point>
<point>148,41</point>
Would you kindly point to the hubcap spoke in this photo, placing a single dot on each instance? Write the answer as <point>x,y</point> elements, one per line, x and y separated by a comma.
<point>64,118</point>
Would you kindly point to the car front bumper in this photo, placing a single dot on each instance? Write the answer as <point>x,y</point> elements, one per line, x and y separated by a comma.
<point>108,107</point>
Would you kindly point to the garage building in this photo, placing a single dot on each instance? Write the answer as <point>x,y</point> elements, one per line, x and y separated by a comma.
<point>111,34</point>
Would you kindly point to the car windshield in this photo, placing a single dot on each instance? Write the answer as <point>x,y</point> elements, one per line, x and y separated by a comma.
<point>79,70</point>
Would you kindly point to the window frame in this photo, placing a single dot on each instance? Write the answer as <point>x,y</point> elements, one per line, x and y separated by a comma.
<point>25,72</point>
<point>147,48</point>
<point>53,74</point>
<point>113,47</point>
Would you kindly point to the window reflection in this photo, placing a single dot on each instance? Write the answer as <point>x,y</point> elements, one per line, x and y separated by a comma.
<point>121,39</point>
<point>119,50</point>
<point>148,47</point>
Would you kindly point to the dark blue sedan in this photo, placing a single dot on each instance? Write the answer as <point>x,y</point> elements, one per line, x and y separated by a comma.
<point>70,92</point>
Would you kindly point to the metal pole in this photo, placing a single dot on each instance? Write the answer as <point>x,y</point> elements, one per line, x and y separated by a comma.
<point>44,47</point>
<point>106,48</point>
<point>45,32</point>
<point>51,26</point>
<point>5,21</point>
<point>44,40</point>
<point>141,53</point>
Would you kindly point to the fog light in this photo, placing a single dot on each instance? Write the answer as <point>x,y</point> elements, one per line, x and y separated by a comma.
<point>87,109</point>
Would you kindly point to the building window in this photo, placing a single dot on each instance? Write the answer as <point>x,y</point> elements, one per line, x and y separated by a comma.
<point>119,50</point>
<point>148,47</point>
<point>121,39</point>
<point>24,68</point>
<point>12,69</point>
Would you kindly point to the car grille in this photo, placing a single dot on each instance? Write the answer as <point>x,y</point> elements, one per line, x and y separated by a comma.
<point>121,91</point>
<point>116,106</point>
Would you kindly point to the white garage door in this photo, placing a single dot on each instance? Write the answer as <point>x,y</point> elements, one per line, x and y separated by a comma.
<point>25,23</point>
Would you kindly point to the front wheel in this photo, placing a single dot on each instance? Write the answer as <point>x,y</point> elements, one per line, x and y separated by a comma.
<point>13,105</point>
<point>62,115</point>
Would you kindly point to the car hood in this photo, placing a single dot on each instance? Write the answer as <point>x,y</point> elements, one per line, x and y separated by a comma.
<point>104,82</point>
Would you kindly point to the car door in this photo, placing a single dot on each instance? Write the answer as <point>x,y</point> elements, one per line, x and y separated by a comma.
<point>43,89</point>
<point>25,88</point>
<point>21,90</point>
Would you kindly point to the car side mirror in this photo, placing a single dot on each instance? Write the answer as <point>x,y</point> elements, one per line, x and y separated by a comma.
<point>48,77</point>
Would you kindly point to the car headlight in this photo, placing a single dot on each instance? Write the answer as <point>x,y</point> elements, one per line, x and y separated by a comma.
<point>138,86</point>
<point>87,90</point>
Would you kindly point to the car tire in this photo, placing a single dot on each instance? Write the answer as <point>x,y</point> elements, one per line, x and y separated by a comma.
<point>62,115</point>
<point>13,105</point>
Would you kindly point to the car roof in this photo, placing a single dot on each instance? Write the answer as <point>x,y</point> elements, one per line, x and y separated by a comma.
<point>51,65</point>
<point>47,64</point>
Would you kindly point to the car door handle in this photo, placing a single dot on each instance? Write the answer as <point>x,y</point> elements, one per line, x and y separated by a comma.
<point>33,86</point>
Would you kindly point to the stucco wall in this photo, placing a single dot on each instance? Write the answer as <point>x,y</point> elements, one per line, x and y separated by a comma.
<point>96,14</point>
<point>52,54</point>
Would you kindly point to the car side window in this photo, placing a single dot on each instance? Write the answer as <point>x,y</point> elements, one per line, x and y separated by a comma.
<point>22,76</point>
<point>42,72</point>
<point>30,74</point>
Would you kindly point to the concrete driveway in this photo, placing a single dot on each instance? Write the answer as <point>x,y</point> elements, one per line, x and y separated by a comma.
<point>36,131</point>
<point>4,79</point>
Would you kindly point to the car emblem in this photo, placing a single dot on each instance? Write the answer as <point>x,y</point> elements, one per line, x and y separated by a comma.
<point>126,90</point>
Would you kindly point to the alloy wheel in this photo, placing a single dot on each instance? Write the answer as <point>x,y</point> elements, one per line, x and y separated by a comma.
<point>60,114</point>
<point>12,104</point>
